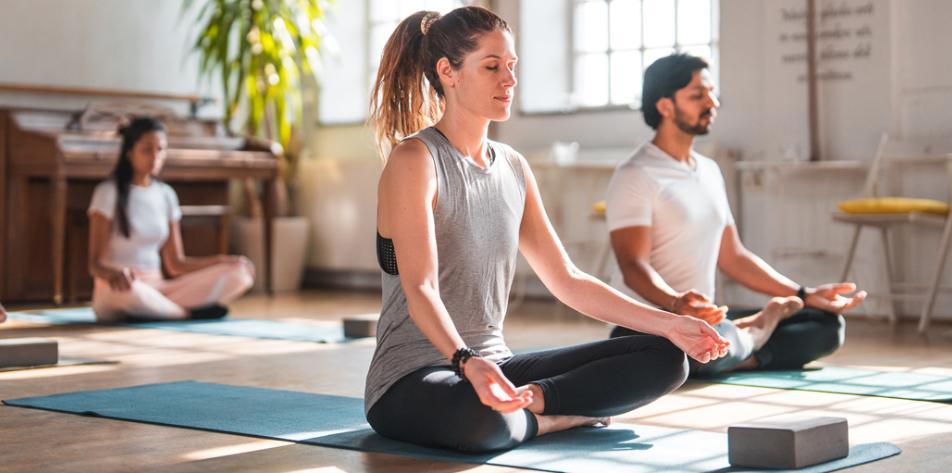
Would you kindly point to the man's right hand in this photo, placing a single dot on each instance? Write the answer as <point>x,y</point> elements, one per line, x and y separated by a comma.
<point>699,306</point>
<point>492,387</point>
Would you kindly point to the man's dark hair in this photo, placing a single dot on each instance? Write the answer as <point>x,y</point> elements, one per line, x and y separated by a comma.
<point>663,78</point>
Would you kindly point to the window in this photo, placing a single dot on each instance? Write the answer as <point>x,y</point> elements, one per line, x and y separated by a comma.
<point>385,15</point>
<point>362,29</point>
<point>611,43</point>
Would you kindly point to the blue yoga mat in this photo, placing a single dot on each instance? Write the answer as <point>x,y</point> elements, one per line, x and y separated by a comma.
<point>67,316</point>
<point>253,328</point>
<point>832,379</point>
<point>335,421</point>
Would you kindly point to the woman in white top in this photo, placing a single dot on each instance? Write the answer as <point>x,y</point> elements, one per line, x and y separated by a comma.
<point>134,231</point>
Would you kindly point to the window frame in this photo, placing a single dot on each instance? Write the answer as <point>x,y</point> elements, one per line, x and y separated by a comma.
<point>369,68</point>
<point>573,55</point>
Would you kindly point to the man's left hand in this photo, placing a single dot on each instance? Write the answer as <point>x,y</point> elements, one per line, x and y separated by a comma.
<point>834,297</point>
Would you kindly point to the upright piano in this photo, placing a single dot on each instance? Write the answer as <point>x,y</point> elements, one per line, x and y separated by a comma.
<point>50,162</point>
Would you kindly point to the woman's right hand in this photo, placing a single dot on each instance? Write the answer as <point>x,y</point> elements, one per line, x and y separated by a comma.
<point>698,339</point>
<point>121,279</point>
<point>492,387</point>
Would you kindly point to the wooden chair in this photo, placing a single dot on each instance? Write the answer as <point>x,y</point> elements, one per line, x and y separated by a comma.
<point>885,213</point>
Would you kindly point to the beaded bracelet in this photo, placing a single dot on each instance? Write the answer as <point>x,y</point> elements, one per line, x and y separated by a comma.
<point>460,357</point>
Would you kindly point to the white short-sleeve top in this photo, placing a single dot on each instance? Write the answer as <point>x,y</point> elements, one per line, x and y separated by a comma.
<point>684,204</point>
<point>150,210</point>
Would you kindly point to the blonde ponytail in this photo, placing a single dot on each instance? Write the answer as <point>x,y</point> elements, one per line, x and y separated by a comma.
<point>407,95</point>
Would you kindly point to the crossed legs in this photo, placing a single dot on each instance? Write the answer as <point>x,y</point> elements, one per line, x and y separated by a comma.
<point>152,297</point>
<point>574,386</point>
<point>782,335</point>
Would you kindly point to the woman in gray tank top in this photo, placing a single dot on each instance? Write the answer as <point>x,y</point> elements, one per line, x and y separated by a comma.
<point>454,208</point>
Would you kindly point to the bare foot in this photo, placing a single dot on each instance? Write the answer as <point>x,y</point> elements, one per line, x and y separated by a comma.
<point>791,305</point>
<point>762,324</point>
<point>538,400</point>
<point>550,424</point>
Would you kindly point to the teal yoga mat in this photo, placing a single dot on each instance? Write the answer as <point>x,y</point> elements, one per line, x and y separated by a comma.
<point>335,421</point>
<point>832,379</point>
<point>253,328</point>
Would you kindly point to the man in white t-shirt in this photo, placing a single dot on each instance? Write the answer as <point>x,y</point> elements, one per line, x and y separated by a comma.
<point>671,229</point>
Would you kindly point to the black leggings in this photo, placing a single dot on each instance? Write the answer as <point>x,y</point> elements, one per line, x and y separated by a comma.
<point>435,408</point>
<point>808,335</point>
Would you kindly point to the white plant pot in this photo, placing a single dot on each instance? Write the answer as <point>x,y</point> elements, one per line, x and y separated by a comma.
<point>288,250</point>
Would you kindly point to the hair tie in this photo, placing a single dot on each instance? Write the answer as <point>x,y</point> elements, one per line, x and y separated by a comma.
<point>428,21</point>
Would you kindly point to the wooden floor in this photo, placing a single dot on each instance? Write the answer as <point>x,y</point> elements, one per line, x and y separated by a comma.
<point>33,440</point>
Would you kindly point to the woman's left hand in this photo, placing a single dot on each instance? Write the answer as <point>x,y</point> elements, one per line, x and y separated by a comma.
<point>698,339</point>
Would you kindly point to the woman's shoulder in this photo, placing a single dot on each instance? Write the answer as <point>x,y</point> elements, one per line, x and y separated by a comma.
<point>167,191</point>
<point>108,184</point>
<point>413,144</point>
<point>409,153</point>
<point>105,188</point>
<point>163,186</point>
<point>104,198</point>
<point>507,152</point>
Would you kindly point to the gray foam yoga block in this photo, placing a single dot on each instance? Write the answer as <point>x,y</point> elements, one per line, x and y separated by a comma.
<point>28,352</point>
<point>361,326</point>
<point>791,442</point>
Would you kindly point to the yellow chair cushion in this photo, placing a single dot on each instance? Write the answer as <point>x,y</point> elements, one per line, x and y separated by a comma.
<point>893,205</point>
<point>598,208</point>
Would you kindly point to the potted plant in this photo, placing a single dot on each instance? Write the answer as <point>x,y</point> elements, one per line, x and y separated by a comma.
<point>263,52</point>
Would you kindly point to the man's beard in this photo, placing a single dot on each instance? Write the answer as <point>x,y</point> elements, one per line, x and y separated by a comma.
<point>695,129</point>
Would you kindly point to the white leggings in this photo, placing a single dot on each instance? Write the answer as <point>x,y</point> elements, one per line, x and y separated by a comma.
<point>154,297</point>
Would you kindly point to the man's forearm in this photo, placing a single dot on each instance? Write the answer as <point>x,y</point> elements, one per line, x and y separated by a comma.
<point>647,283</point>
<point>754,273</point>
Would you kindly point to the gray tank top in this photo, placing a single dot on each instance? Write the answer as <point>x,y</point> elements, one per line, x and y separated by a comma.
<point>477,216</point>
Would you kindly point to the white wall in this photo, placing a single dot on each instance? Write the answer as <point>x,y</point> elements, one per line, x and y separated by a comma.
<point>923,68</point>
<point>139,45</point>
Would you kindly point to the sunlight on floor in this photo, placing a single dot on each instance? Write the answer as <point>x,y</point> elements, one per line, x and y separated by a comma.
<point>232,450</point>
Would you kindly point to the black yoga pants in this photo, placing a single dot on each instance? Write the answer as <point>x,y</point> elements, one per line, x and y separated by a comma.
<point>808,335</point>
<point>435,408</point>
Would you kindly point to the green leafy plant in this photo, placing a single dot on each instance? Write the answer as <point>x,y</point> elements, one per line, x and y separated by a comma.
<point>262,51</point>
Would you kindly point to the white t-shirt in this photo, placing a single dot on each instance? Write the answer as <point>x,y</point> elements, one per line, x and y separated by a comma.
<point>685,204</point>
<point>150,209</point>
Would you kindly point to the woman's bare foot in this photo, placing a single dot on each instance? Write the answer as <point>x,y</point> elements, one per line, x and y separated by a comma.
<point>762,324</point>
<point>550,424</point>
<point>538,400</point>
